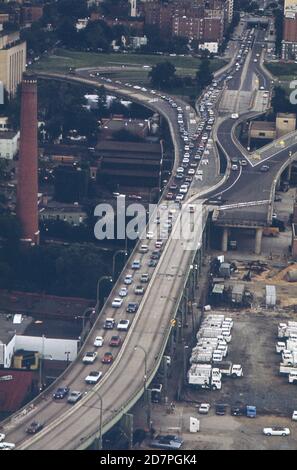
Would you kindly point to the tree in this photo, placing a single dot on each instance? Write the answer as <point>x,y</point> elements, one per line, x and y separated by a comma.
<point>97,35</point>
<point>278,15</point>
<point>162,75</point>
<point>280,102</point>
<point>204,76</point>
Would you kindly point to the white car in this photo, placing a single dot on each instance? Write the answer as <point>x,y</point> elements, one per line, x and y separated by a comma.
<point>204,408</point>
<point>90,357</point>
<point>117,302</point>
<point>149,235</point>
<point>93,377</point>
<point>99,341</point>
<point>294,416</point>
<point>7,446</point>
<point>128,279</point>
<point>276,431</point>
<point>123,292</point>
<point>191,171</point>
<point>123,325</point>
<point>2,437</point>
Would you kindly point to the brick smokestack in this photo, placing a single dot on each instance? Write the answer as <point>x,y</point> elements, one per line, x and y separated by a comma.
<point>27,190</point>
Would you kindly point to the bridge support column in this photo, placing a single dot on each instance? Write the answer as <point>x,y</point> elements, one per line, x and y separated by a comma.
<point>289,172</point>
<point>225,240</point>
<point>258,241</point>
<point>127,425</point>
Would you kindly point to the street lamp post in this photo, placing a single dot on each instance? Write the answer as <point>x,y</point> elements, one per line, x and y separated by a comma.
<point>101,279</point>
<point>118,252</point>
<point>42,356</point>
<point>100,422</point>
<point>67,354</point>
<point>90,309</point>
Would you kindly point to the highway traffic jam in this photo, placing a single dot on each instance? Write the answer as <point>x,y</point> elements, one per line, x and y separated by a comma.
<point>195,144</point>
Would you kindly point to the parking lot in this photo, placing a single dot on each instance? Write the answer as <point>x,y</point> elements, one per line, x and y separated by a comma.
<point>253,346</point>
<point>223,432</point>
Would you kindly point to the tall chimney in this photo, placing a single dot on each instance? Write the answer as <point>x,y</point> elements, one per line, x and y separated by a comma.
<point>27,190</point>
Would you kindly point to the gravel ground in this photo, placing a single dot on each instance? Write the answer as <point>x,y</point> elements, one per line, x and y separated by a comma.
<point>253,346</point>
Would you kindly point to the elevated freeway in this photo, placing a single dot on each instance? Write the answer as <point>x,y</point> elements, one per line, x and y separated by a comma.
<point>172,284</point>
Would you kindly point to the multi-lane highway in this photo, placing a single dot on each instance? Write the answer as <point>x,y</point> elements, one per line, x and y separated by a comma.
<point>75,426</point>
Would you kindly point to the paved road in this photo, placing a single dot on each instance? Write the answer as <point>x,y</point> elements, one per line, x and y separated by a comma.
<point>68,427</point>
<point>248,183</point>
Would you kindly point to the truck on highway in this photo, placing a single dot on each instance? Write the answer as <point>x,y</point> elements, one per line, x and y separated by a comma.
<point>205,376</point>
<point>231,370</point>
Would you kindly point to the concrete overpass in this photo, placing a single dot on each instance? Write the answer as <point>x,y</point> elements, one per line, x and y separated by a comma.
<point>168,296</point>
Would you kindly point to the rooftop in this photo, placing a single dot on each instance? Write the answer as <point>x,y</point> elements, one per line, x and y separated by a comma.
<point>8,329</point>
<point>117,124</point>
<point>115,146</point>
<point>7,135</point>
<point>13,392</point>
<point>286,115</point>
<point>263,126</point>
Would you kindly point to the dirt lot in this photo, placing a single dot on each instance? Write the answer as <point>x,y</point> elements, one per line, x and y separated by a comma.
<point>224,432</point>
<point>253,346</point>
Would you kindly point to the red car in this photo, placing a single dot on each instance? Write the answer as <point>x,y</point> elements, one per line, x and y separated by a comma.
<point>107,358</point>
<point>115,341</point>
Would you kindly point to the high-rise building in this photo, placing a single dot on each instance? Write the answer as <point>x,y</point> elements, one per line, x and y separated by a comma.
<point>12,61</point>
<point>27,189</point>
<point>133,5</point>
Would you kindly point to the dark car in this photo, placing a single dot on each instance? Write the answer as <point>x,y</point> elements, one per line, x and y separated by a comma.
<point>156,254</point>
<point>107,358</point>
<point>132,307</point>
<point>237,411</point>
<point>61,393</point>
<point>115,341</point>
<point>264,168</point>
<point>221,409</point>
<point>152,263</point>
<point>34,428</point>
<point>167,442</point>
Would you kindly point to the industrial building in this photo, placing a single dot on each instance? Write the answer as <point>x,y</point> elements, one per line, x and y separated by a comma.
<point>12,61</point>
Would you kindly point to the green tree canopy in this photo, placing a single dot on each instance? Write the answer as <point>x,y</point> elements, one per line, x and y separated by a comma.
<point>204,76</point>
<point>162,75</point>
